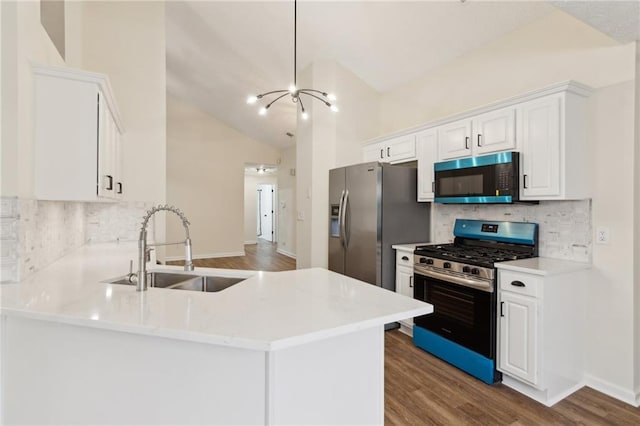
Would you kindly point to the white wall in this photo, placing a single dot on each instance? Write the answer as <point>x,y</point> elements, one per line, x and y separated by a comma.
<point>328,140</point>
<point>287,202</point>
<point>205,178</point>
<point>636,249</point>
<point>557,48</point>
<point>251,183</point>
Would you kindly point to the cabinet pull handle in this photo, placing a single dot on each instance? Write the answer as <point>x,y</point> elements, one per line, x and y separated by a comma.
<point>119,187</point>
<point>410,281</point>
<point>382,153</point>
<point>501,309</point>
<point>433,187</point>
<point>388,151</point>
<point>466,142</point>
<point>110,183</point>
<point>524,181</point>
<point>405,258</point>
<point>479,135</point>
<point>518,283</point>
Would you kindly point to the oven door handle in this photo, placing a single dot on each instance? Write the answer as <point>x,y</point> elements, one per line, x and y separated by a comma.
<point>480,285</point>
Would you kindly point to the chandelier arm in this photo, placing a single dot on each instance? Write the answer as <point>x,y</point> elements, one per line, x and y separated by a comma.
<point>277,99</point>
<point>301,104</point>
<point>313,90</point>
<point>317,97</point>
<point>270,93</point>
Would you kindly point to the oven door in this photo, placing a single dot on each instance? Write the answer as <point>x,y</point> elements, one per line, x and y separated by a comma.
<point>462,314</point>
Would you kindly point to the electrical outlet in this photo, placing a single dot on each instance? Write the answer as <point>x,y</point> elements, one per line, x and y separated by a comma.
<point>602,235</point>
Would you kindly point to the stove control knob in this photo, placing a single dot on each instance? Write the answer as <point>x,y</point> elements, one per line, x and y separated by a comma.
<point>423,260</point>
<point>466,269</point>
<point>475,271</point>
<point>429,261</point>
<point>446,265</point>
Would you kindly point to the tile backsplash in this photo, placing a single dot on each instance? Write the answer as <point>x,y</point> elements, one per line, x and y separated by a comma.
<point>36,233</point>
<point>565,226</point>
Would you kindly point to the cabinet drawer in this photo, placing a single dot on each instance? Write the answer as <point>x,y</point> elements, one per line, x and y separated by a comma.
<point>404,259</point>
<point>529,285</point>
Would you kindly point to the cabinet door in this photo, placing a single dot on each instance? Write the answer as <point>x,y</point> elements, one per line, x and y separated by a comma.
<point>373,152</point>
<point>401,149</point>
<point>541,139</point>
<point>494,131</point>
<point>518,354</point>
<point>404,286</point>
<point>106,182</point>
<point>427,150</point>
<point>454,140</point>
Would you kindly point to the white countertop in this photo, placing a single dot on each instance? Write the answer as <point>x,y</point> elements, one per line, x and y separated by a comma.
<point>268,311</point>
<point>543,266</point>
<point>408,247</point>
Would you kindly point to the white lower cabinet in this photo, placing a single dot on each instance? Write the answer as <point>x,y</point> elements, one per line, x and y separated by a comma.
<point>404,282</point>
<point>541,328</point>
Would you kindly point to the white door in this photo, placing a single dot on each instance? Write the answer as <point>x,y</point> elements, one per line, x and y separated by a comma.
<point>541,139</point>
<point>494,131</point>
<point>518,336</point>
<point>454,140</point>
<point>265,212</point>
<point>427,153</point>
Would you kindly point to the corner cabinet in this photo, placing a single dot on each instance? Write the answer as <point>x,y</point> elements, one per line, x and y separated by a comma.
<point>541,313</point>
<point>404,281</point>
<point>395,150</point>
<point>78,136</point>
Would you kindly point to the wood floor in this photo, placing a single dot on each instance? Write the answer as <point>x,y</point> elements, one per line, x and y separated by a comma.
<point>258,257</point>
<point>423,390</point>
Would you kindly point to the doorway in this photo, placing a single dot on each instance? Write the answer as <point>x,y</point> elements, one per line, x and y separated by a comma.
<point>265,212</point>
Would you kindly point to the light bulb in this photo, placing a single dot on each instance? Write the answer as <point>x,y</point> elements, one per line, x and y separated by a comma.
<point>263,111</point>
<point>305,115</point>
<point>252,99</point>
<point>331,97</point>
<point>334,108</point>
<point>292,89</point>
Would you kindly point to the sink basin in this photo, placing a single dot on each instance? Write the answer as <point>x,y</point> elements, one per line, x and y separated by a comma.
<point>170,280</point>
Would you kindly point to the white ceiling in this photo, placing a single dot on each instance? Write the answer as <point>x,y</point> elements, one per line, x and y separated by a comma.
<point>219,52</point>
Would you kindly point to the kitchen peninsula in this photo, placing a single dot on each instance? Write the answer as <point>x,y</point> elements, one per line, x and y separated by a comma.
<point>304,346</point>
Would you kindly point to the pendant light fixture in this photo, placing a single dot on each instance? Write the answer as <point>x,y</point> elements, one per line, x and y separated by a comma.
<point>293,91</point>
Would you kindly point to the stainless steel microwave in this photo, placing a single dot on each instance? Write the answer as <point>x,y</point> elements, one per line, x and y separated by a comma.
<point>485,179</point>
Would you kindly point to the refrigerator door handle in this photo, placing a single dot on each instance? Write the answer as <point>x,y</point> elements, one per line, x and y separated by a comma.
<point>340,211</point>
<point>343,230</point>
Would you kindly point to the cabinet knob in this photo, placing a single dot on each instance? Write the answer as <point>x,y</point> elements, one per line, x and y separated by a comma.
<point>518,283</point>
<point>405,258</point>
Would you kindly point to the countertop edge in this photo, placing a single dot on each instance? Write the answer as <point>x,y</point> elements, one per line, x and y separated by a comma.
<point>544,266</point>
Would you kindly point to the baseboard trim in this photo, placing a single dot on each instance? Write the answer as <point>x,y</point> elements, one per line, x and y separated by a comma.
<point>613,390</point>
<point>286,253</point>
<point>207,255</point>
<point>249,242</point>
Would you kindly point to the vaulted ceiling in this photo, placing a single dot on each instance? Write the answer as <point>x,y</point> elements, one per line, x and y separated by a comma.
<point>219,52</point>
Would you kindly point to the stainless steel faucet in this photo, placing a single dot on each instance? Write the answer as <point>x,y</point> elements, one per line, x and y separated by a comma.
<point>143,247</point>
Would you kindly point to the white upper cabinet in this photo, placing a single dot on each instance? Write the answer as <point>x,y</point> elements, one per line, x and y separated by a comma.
<point>555,158</point>
<point>493,131</point>
<point>395,150</point>
<point>427,152</point>
<point>454,140</point>
<point>77,136</point>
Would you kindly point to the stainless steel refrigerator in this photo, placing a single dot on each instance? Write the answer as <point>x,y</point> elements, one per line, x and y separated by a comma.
<point>373,206</point>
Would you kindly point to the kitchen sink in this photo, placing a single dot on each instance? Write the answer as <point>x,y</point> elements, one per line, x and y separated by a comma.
<point>192,282</point>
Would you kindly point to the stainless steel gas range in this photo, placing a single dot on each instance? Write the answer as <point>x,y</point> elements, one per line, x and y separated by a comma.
<point>459,280</point>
